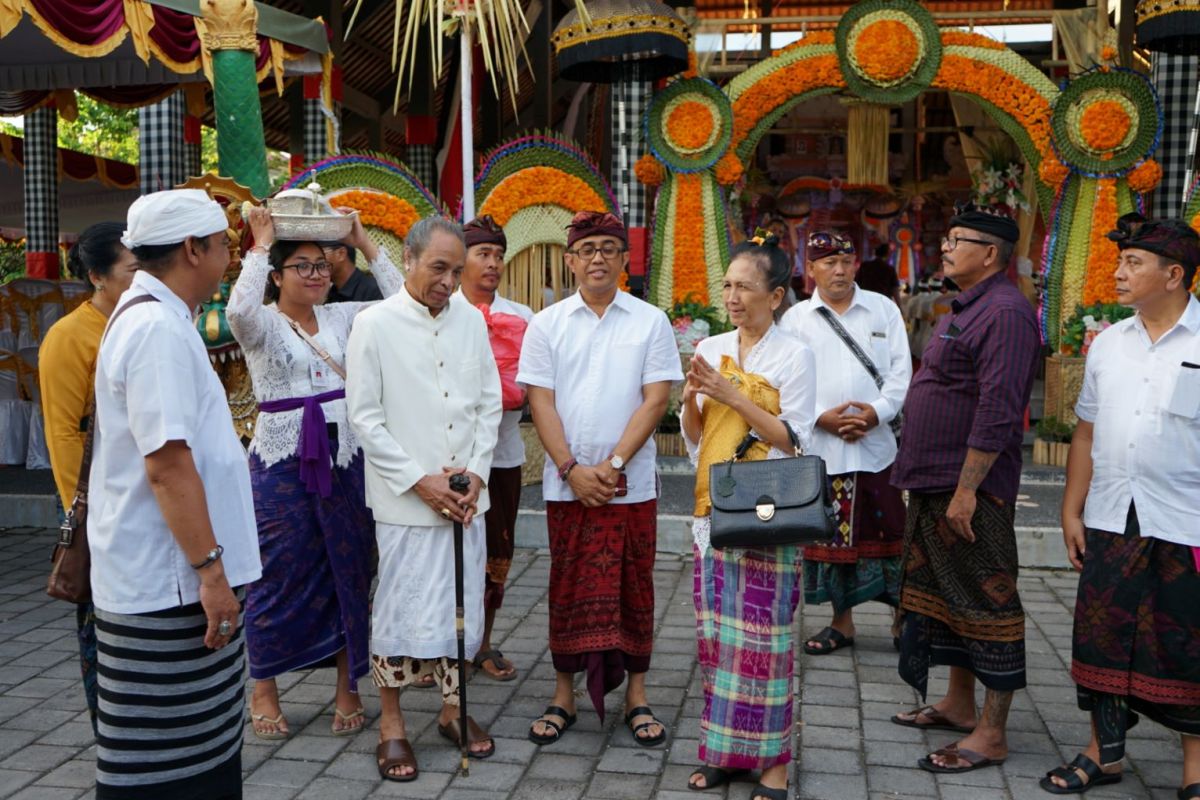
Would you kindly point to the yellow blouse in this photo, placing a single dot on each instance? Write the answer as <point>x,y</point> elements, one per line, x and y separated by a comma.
<point>723,429</point>
<point>66,372</point>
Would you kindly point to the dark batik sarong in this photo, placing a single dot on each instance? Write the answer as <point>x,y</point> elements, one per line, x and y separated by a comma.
<point>959,600</point>
<point>504,493</point>
<point>862,563</point>
<point>601,590</point>
<point>1136,643</point>
<point>317,557</point>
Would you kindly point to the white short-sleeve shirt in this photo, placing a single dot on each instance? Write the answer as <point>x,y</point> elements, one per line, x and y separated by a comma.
<point>154,384</point>
<point>597,367</point>
<point>876,325</point>
<point>1145,405</point>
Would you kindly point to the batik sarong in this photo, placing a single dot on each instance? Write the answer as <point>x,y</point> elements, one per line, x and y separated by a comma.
<point>1136,644</point>
<point>601,590</point>
<point>504,493</point>
<point>958,599</point>
<point>745,601</point>
<point>317,558</point>
<point>862,563</point>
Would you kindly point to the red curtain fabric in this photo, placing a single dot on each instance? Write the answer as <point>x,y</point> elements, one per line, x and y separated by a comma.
<point>175,33</point>
<point>86,22</point>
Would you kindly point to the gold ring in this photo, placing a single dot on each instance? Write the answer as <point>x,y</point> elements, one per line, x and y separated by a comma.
<point>446,513</point>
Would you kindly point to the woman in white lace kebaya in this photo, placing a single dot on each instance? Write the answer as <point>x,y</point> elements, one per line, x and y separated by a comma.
<point>756,380</point>
<point>315,532</point>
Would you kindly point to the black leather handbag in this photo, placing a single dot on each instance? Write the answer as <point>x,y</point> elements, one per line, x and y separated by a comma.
<point>770,503</point>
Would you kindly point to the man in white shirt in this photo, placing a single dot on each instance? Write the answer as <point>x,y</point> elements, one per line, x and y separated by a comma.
<point>862,358</point>
<point>171,522</point>
<point>481,277</point>
<point>598,367</point>
<point>1129,511</point>
<point>423,396</point>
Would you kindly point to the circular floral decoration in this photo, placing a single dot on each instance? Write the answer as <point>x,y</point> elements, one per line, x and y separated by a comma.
<point>888,50</point>
<point>1145,176</point>
<point>649,171</point>
<point>689,125</point>
<point>378,209</point>
<point>1105,122</point>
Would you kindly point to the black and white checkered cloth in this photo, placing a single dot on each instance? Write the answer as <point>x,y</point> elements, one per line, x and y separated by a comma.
<point>1176,81</point>
<point>628,102</point>
<point>422,160</point>
<point>191,159</point>
<point>163,162</point>
<point>41,180</point>
<point>316,147</point>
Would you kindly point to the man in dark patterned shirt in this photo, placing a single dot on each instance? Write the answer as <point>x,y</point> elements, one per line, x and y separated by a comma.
<point>960,459</point>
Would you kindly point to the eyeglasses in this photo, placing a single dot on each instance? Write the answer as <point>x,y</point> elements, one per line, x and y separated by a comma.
<point>308,269</point>
<point>587,252</point>
<point>951,245</point>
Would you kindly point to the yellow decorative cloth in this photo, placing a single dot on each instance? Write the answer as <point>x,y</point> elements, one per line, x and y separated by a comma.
<point>723,429</point>
<point>67,369</point>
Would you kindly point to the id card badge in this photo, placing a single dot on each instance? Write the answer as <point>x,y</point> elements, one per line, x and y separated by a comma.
<point>1185,398</point>
<point>318,372</point>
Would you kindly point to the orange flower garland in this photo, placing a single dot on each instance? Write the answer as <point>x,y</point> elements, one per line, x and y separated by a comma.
<point>1098,284</point>
<point>967,39</point>
<point>1002,89</point>
<point>1145,176</point>
<point>809,39</point>
<point>690,125</point>
<point>535,186</point>
<point>379,210</point>
<point>783,86</point>
<point>1104,125</point>
<point>691,277</point>
<point>649,171</point>
<point>729,169</point>
<point>886,51</point>
<point>1052,171</point>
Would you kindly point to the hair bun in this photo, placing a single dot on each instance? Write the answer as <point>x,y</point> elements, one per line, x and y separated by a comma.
<point>770,240</point>
<point>75,263</point>
<point>763,238</point>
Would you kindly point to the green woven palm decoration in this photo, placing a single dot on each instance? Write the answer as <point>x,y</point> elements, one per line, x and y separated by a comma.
<point>241,146</point>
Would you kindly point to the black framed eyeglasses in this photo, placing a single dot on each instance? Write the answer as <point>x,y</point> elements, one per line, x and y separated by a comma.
<point>307,269</point>
<point>951,245</point>
<point>588,251</point>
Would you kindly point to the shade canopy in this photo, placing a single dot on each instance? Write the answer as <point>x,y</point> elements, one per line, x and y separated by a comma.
<point>625,38</point>
<point>1169,26</point>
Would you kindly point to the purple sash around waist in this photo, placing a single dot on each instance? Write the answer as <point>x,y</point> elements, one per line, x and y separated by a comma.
<point>314,439</point>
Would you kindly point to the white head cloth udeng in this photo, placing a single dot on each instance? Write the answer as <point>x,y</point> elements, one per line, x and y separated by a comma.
<point>170,217</point>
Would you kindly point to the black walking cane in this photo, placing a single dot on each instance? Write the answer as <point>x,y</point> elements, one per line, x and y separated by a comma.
<point>462,484</point>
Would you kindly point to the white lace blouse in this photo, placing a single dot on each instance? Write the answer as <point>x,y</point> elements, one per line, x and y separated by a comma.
<point>281,363</point>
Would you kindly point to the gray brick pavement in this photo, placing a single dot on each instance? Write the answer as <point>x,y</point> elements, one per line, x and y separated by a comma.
<point>847,750</point>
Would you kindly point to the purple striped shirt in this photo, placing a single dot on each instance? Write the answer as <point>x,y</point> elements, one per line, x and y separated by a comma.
<point>971,391</point>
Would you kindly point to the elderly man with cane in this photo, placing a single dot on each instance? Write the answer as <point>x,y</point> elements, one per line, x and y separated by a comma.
<point>424,399</point>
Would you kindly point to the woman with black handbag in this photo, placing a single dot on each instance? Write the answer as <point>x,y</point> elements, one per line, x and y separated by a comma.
<point>756,380</point>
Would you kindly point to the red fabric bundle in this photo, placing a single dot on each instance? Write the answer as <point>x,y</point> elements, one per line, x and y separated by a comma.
<point>506,332</point>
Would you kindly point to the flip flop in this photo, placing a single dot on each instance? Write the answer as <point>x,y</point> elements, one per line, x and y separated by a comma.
<point>347,729</point>
<point>713,777</point>
<point>559,730</point>
<point>396,753</point>
<point>1070,774</point>
<point>498,660</point>
<point>474,734</point>
<point>972,759</point>
<point>645,741</point>
<point>939,723</point>
<point>427,682</point>
<point>269,736</point>
<point>830,641</point>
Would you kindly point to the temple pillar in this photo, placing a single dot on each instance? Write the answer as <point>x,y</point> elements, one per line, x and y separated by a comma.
<point>420,152</point>
<point>1175,79</point>
<point>162,163</point>
<point>41,192</point>
<point>629,99</point>
<point>322,126</point>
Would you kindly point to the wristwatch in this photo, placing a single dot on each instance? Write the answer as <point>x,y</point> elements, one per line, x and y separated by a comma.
<point>617,463</point>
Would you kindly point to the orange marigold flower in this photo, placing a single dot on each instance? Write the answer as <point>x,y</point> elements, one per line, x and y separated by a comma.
<point>1104,124</point>
<point>967,39</point>
<point>690,273</point>
<point>1099,285</point>
<point>886,51</point>
<point>1052,171</point>
<point>649,171</point>
<point>1108,53</point>
<point>1145,176</point>
<point>534,186</point>
<point>690,125</point>
<point>729,169</point>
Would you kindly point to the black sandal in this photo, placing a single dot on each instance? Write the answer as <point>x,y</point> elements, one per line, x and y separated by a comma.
<point>1069,773</point>
<point>767,793</point>
<point>1188,792</point>
<point>713,777</point>
<point>830,640</point>
<point>645,741</point>
<point>549,738</point>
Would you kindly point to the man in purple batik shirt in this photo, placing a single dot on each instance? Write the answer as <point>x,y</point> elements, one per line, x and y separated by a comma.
<point>960,459</point>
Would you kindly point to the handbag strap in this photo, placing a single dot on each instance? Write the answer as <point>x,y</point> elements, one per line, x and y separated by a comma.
<point>854,346</point>
<point>321,352</point>
<point>748,442</point>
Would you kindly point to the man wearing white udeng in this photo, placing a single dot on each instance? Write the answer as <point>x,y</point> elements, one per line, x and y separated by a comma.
<point>423,395</point>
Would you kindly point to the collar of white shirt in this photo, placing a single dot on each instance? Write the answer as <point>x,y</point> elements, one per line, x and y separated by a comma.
<point>622,301</point>
<point>153,286</point>
<point>1189,320</point>
<point>422,310</point>
<point>856,300</point>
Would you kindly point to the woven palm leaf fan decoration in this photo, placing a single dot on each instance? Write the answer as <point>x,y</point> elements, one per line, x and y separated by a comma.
<point>499,26</point>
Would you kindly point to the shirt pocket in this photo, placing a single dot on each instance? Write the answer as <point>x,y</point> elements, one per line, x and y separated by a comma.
<point>1183,402</point>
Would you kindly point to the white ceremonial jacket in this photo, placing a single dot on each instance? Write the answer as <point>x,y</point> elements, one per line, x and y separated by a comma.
<point>422,393</point>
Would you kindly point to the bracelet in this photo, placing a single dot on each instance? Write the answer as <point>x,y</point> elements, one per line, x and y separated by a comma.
<point>566,468</point>
<point>212,556</point>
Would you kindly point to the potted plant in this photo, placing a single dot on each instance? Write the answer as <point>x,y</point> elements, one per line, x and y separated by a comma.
<point>1053,441</point>
<point>1064,369</point>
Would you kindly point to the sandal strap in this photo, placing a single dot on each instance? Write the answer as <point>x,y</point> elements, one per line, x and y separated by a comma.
<point>1191,790</point>
<point>558,711</point>
<point>1087,767</point>
<point>638,712</point>
<point>1067,775</point>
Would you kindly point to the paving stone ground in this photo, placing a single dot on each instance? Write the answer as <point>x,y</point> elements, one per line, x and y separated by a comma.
<point>847,748</point>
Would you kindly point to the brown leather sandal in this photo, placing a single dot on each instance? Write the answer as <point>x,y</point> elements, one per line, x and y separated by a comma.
<point>937,721</point>
<point>396,753</point>
<point>474,734</point>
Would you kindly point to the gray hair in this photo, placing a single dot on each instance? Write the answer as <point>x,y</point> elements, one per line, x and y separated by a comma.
<point>420,234</point>
<point>1004,248</point>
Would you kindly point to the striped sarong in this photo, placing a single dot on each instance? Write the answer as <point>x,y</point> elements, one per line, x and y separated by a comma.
<point>171,710</point>
<point>745,602</point>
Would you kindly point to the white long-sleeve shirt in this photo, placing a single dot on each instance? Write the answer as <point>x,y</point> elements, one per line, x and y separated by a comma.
<point>282,365</point>
<point>875,323</point>
<point>423,393</point>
